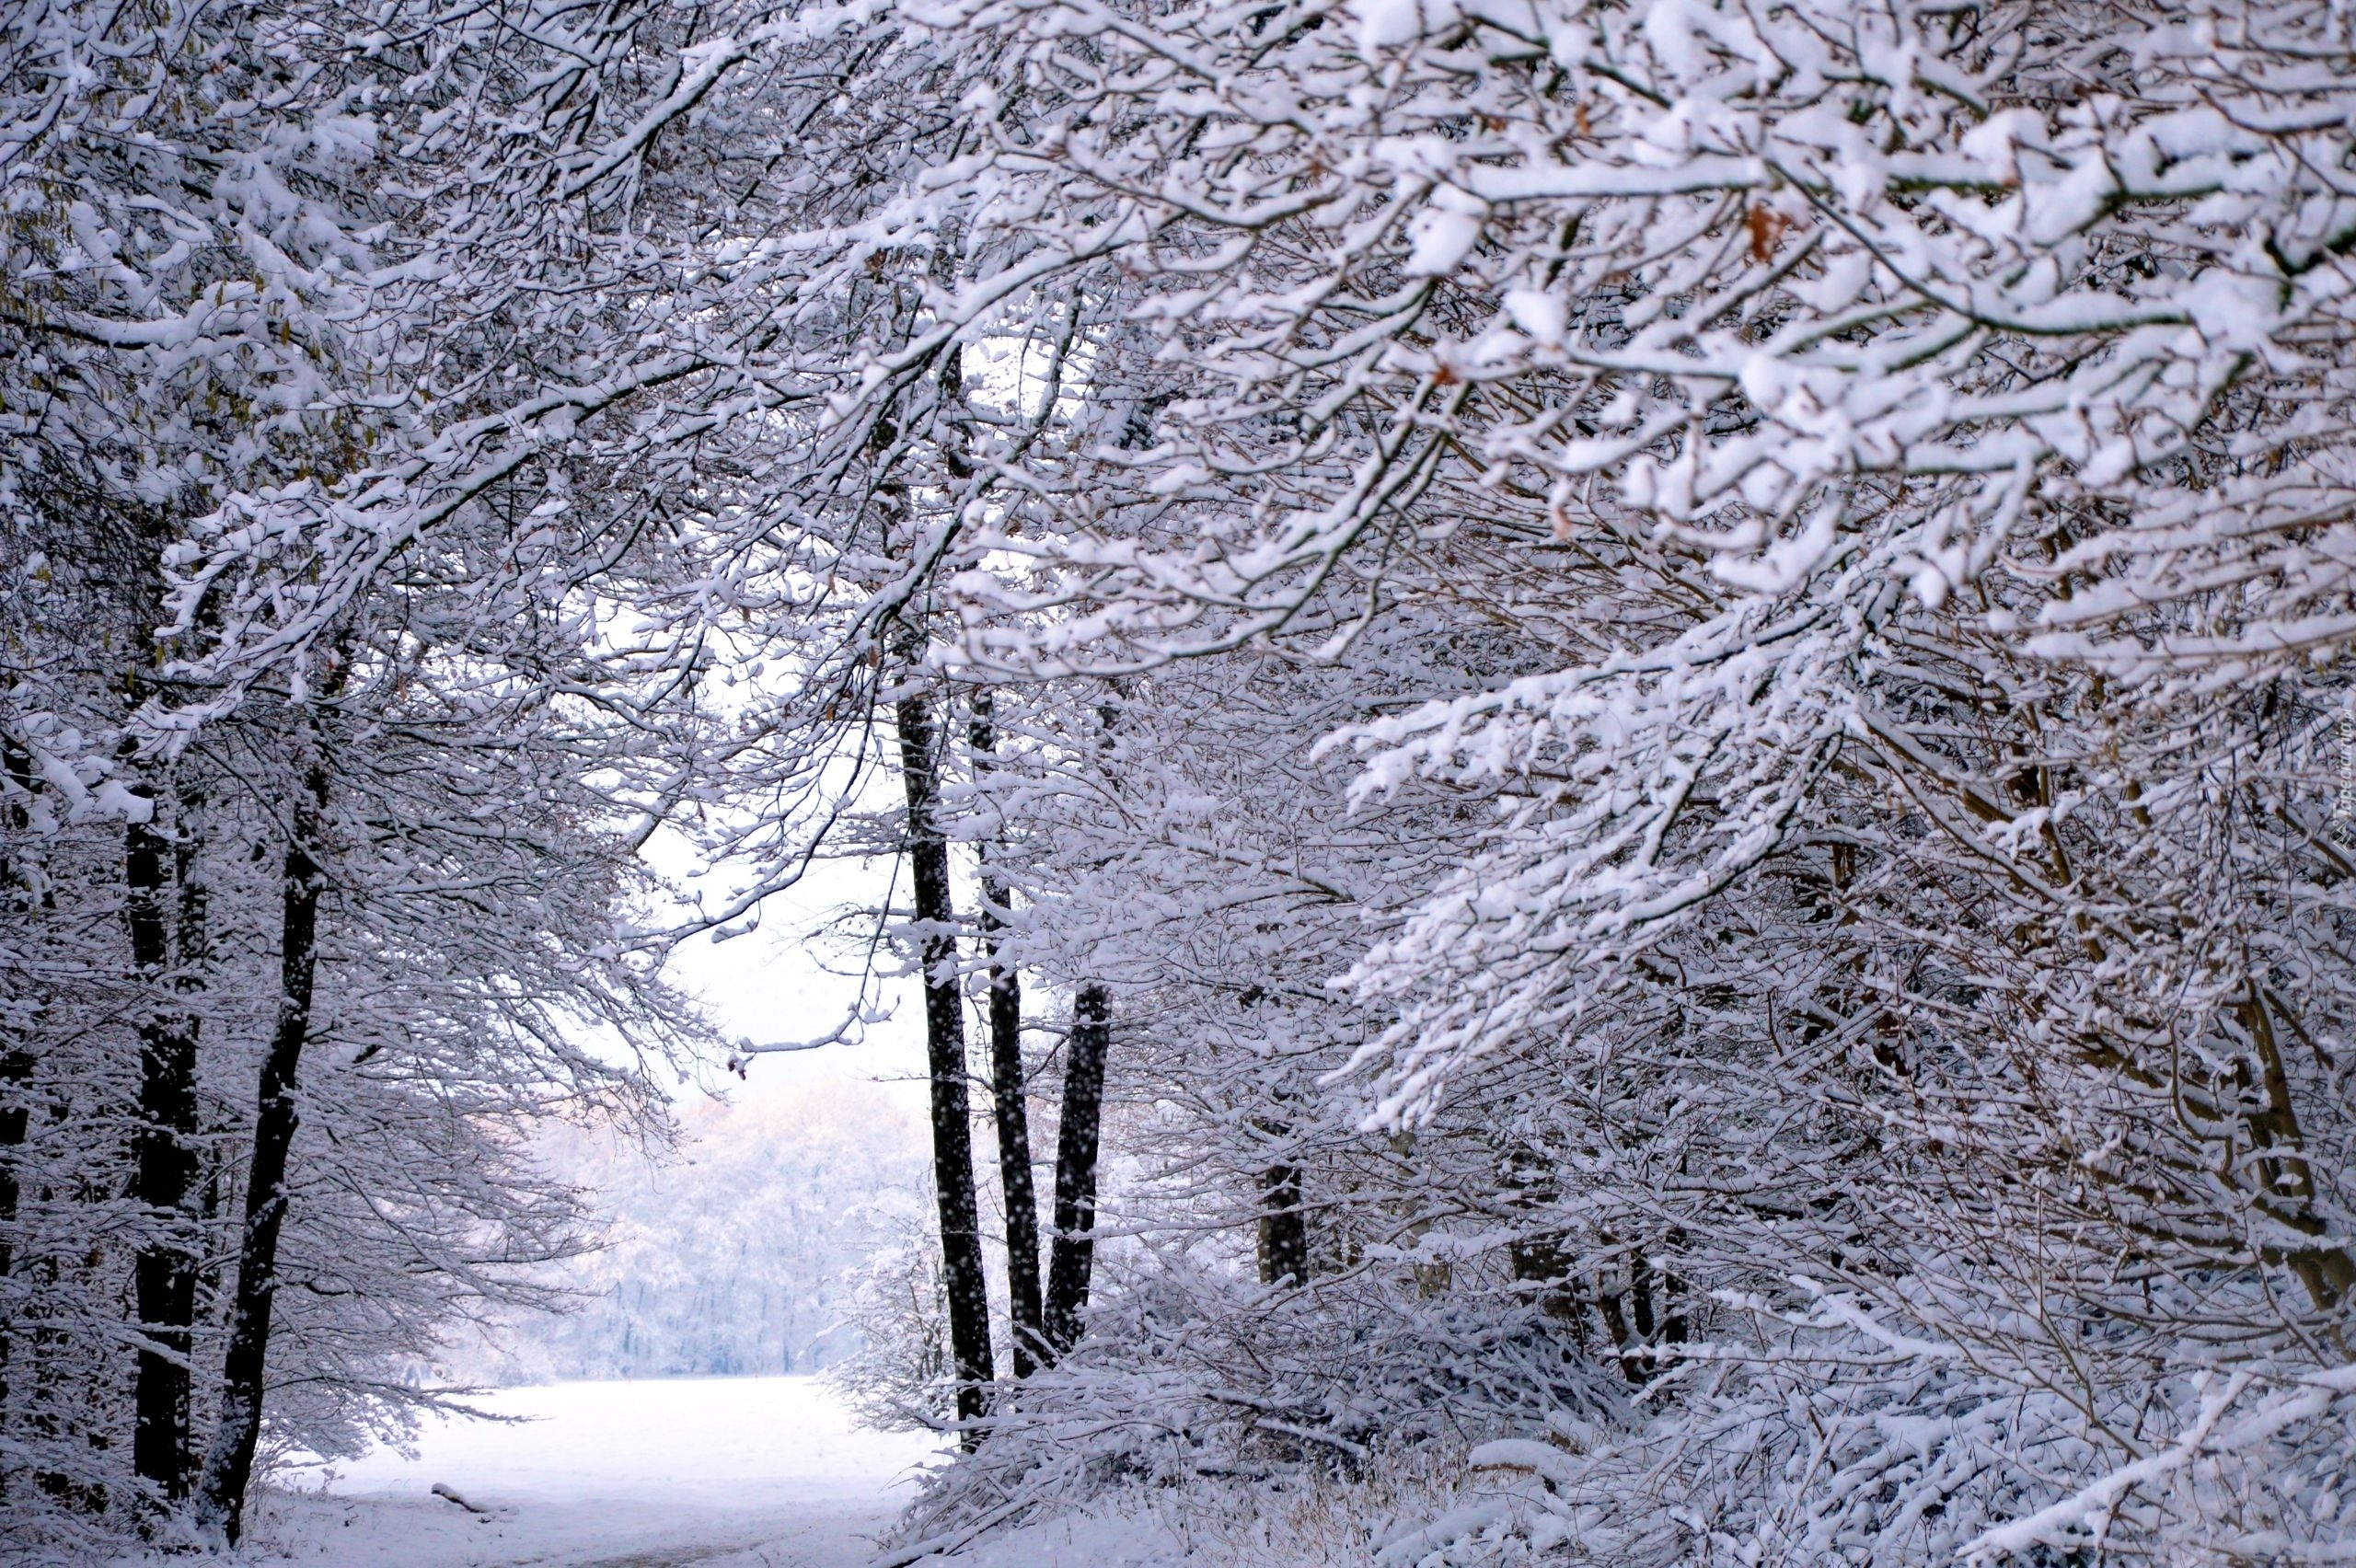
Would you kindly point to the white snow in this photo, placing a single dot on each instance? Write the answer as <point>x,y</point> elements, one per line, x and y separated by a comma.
<point>719,1442</point>
<point>729,1471</point>
<point>718,1472</point>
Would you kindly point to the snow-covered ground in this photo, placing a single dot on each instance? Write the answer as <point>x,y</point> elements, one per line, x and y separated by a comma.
<point>725,1472</point>
<point>755,1473</point>
<point>729,1472</point>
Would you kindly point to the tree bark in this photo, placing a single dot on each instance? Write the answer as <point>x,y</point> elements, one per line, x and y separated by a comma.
<point>1537,1262</point>
<point>228,1467</point>
<point>1284,1229</point>
<point>164,1274</point>
<point>16,1118</point>
<point>1073,1256</point>
<point>952,1148</point>
<point>18,896</point>
<point>1615,1330</point>
<point>2286,1186</point>
<point>928,851</point>
<point>1009,1093</point>
<point>1630,1319</point>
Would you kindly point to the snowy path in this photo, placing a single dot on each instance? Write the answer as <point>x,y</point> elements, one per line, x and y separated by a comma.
<point>751,1473</point>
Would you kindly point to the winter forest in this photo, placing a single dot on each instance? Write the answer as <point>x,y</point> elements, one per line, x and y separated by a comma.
<point>1613,741</point>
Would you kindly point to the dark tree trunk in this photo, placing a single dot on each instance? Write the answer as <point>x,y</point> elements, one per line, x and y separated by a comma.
<point>952,1133</point>
<point>1284,1230</point>
<point>1073,1256</point>
<point>164,1274</point>
<point>1008,1094</point>
<point>1539,1263</point>
<point>193,933</point>
<point>1615,1330</point>
<point>18,896</point>
<point>1675,1326</point>
<point>51,1386</point>
<point>16,1118</point>
<point>228,1467</point>
<point>1617,1302</point>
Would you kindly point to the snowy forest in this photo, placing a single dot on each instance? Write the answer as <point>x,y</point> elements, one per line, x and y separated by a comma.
<point>1643,706</point>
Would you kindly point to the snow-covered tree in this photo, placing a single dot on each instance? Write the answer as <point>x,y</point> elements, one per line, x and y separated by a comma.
<point>1890,459</point>
<point>1659,683</point>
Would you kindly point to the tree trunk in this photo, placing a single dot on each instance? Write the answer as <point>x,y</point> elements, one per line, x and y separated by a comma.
<point>192,934</point>
<point>2286,1190</point>
<point>1073,1257</point>
<point>1615,1299</point>
<point>1007,1093</point>
<point>38,1404</point>
<point>1537,1262</point>
<point>18,896</point>
<point>1284,1229</point>
<point>953,1134</point>
<point>228,1467</point>
<point>16,1118</point>
<point>165,1272</point>
<point>51,1345</point>
<point>1615,1329</point>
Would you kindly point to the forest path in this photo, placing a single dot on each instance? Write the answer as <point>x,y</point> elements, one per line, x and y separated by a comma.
<point>725,1472</point>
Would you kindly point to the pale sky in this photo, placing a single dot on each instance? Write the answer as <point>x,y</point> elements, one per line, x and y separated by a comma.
<point>770,986</point>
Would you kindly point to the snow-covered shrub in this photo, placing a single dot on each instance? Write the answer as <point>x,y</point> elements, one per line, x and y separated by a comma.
<point>900,1378</point>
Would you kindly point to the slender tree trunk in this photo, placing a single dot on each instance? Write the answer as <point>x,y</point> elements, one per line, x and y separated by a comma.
<point>1613,1297</point>
<point>1538,1261</point>
<point>1073,1257</point>
<point>49,1343</point>
<point>16,1119</point>
<point>18,896</point>
<point>2287,1187</point>
<point>1615,1329</point>
<point>1008,1093</point>
<point>228,1467</point>
<point>45,1341</point>
<point>952,1133</point>
<point>1284,1230</point>
<point>164,1274</point>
